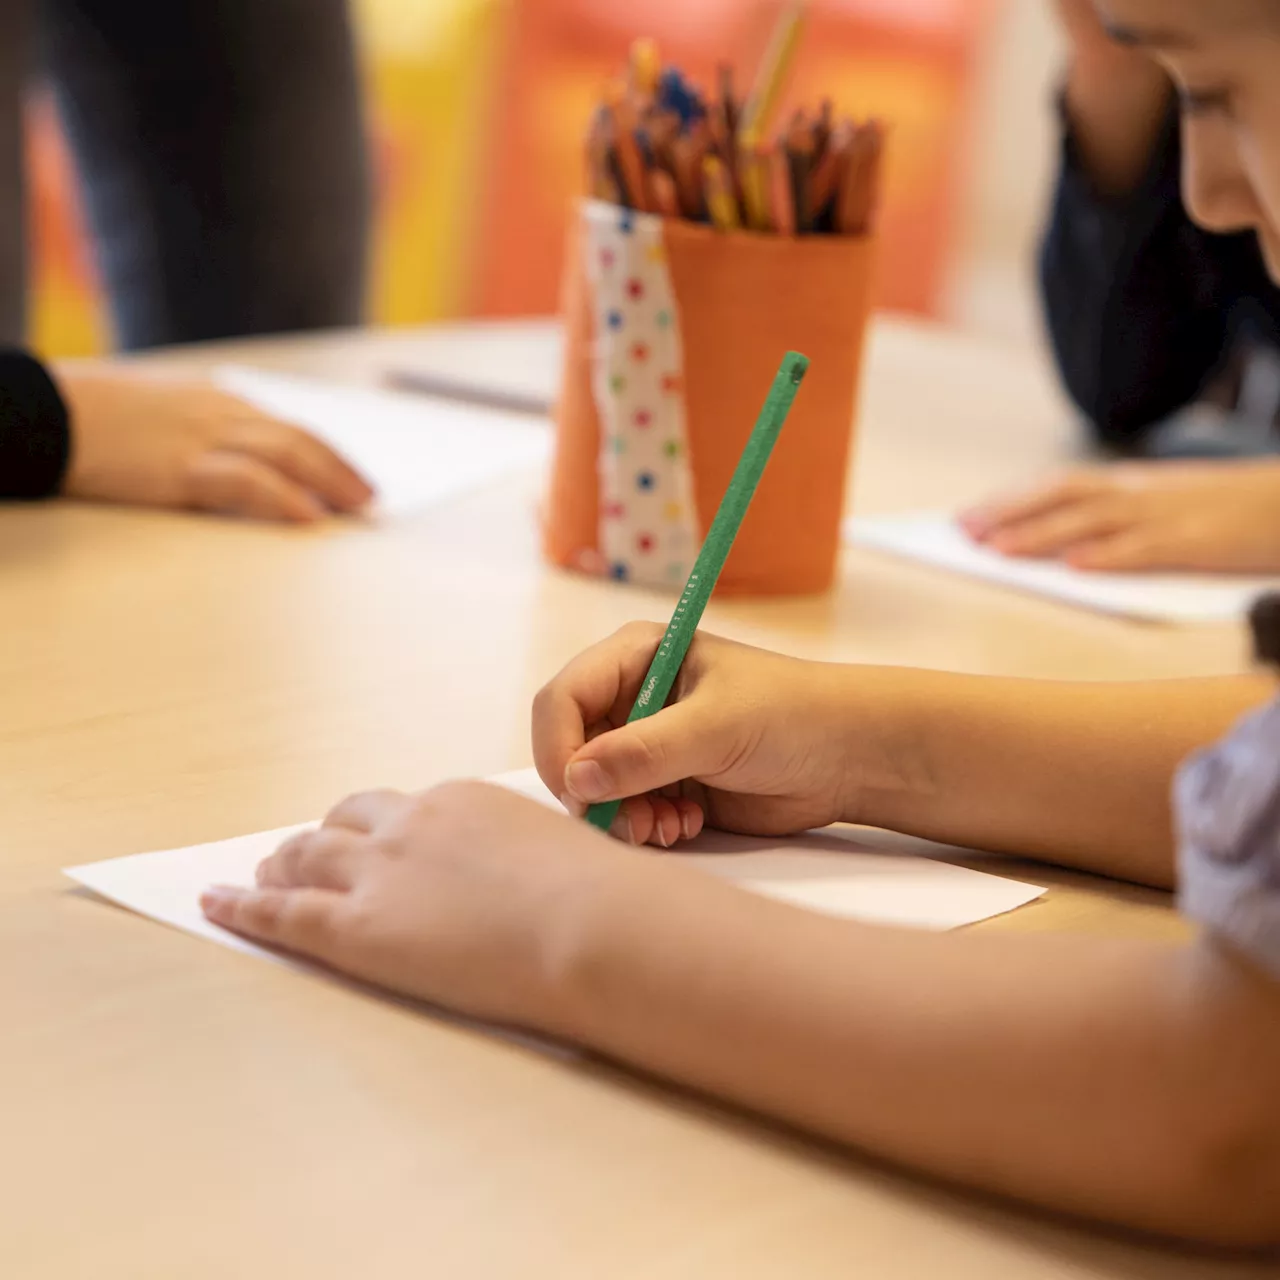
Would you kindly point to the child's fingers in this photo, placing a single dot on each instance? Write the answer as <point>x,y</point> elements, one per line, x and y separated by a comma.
<point>656,820</point>
<point>681,741</point>
<point>1055,532</point>
<point>692,818</point>
<point>985,521</point>
<point>305,460</point>
<point>366,810</point>
<point>233,483</point>
<point>322,859</point>
<point>1137,550</point>
<point>304,921</point>
<point>597,687</point>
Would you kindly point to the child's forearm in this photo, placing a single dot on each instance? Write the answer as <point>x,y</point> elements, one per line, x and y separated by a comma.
<point>1116,104</point>
<point>1077,774</point>
<point>1122,1081</point>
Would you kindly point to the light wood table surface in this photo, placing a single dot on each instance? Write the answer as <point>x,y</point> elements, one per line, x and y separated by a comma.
<point>172,1109</point>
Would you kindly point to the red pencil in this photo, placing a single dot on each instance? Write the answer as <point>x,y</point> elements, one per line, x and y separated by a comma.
<point>665,196</point>
<point>630,161</point>
<point>859,187</point>
<point>799,146</point>
<point>822,129</point>
<point>827,172</point>
<point>782,194</point>
<point>686,160</point>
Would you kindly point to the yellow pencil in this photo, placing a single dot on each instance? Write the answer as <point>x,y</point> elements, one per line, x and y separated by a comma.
<point>754,174</point>
<point>719,192</point>
<point>646,67</point>
<point>767,89</point>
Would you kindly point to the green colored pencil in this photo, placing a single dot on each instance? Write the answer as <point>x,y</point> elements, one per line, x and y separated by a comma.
<point>675,644</point>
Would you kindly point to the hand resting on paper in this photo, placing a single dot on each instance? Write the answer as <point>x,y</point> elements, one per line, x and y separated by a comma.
<point>490,904</point>
<point>155,441</point>
<point>1210,517</point>
<point>453,896</point>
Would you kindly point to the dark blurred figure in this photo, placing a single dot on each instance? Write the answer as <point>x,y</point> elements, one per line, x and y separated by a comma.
<point>1149,312</point>
<point>222,156</point>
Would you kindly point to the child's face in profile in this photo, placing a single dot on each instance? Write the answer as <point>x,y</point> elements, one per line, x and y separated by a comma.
<point>1224,56</point>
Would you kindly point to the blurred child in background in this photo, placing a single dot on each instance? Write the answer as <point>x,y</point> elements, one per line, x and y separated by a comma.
<point>128,436</point>
<point>221,156</point>
<point>1155,285</point>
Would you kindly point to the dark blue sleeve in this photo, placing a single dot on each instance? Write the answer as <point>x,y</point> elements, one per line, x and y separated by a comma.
<point>1139,301</point>
<point>35,439</point>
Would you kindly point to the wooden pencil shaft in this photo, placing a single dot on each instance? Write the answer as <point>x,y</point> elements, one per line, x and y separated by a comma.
<point>784,210</point>
<point>767,88</point>
<point>800,167</point>
<point>665,195</point>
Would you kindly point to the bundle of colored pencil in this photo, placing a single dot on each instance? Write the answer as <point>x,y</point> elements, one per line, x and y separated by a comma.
<point>657,145</point>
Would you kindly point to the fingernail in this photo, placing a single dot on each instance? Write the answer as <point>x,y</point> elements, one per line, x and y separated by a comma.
<point>686,827</point>
<point>585,780</point>
<point>661,836</point>
<point>216,897</point>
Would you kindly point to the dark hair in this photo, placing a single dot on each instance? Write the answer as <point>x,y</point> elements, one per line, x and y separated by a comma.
<point>1264,619</point>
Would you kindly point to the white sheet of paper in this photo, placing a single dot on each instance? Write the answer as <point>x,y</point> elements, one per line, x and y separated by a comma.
<point>830,872</point>
<point>415,451</point>
<point>1185,598</point>
<point>838,872</point>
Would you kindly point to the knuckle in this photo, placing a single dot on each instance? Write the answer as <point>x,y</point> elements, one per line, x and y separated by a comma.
<point>640,633</point>
<point>315,926</point>
<point>293,443</point>
<point>276,443</point>
<point>316,851</point>
<point>464,791</point>
<point>646,753</point>
<point>345,806</point>
<point>264,911</point>
<point>289,849</point>
<point>282,866</point>
<point>243,488</point>
<point>545,699</point>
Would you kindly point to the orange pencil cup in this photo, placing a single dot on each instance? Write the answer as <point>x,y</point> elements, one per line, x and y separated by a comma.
<point>673,334</point>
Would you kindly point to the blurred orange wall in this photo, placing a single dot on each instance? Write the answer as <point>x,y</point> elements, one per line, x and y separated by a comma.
<point>478,108</point>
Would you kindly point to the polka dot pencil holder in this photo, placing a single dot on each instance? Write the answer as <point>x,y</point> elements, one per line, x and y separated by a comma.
<point>673,333</point>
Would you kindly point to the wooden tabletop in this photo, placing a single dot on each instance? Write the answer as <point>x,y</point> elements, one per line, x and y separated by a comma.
<point>173,1109</point>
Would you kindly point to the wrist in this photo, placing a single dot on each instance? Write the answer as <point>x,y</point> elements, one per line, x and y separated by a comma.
<point>883,719</point>
<point>606,920</point>
<point>79,390</point>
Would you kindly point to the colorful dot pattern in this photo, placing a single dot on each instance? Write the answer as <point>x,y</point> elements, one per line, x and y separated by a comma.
<point>648,520</point>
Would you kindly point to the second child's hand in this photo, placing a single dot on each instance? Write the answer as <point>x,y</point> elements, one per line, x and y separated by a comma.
<point>1208,517</point>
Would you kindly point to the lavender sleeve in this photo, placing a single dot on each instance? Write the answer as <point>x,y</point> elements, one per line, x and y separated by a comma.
<point>1227,800</point>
